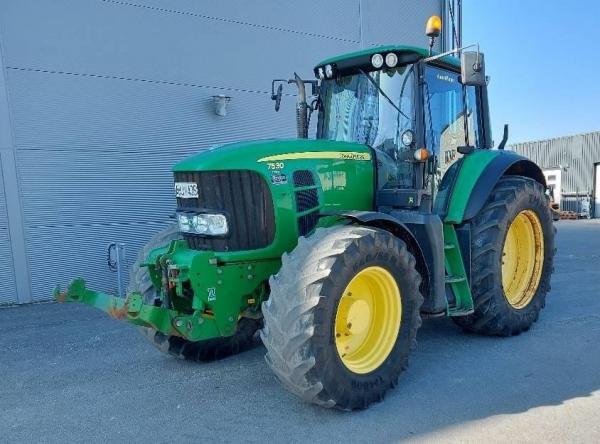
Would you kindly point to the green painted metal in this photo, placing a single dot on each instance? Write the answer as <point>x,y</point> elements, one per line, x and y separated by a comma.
<point>345,181</point>
<point>208,292</point>
<point>345,176</point>
<point>231,284</point>
<point>471,169</point>
<point>456,275</point>
<point>221,288</point>
<point>132,309</point>
<point>421,52</point>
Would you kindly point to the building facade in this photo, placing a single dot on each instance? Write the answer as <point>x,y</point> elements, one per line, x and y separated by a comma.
<point>99,98</point>
<point>571,165</point>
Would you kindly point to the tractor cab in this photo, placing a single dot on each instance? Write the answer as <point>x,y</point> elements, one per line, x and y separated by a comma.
<point>411,108</point>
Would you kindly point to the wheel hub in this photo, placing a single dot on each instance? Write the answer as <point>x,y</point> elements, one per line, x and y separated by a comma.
<point>522,259</point>
<point>368,320</point>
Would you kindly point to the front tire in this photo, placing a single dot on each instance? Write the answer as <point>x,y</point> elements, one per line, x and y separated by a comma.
<point>513,252</point>
<point>342,316</point>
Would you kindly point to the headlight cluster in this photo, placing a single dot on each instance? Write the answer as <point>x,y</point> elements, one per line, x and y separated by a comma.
<point>203,223</point>
<point>391,60</point>
<point>325,72</point>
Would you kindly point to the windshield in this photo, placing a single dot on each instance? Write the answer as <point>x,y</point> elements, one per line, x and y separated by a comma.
<point>357,108</point>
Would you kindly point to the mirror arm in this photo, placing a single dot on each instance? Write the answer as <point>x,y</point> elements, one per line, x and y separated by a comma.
<point>452,51</point>
<point>273,82</point>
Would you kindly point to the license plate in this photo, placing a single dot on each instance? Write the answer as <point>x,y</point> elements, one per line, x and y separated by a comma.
<point>186,190</point>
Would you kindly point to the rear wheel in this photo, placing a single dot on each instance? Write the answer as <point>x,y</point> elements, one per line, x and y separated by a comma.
<point>513,252</point>
<point>246,334</point>
<point>342,316</point>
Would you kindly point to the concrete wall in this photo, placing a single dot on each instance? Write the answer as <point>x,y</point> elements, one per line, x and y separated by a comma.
<point>98,98</point>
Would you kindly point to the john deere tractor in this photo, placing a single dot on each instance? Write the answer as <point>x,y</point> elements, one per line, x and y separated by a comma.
<point>334,248</point>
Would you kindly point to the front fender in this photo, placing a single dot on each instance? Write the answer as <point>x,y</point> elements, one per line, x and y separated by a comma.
<point>423,234</point>
<point>468,184</point>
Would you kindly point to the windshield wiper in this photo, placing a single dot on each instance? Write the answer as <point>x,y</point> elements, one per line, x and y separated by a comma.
<point>374,83</point>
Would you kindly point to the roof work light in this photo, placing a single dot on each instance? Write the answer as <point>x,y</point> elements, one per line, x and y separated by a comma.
<point>433,30</point>
<point>433,27</point>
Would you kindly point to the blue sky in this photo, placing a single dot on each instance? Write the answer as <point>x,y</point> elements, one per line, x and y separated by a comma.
<point>543,58</point>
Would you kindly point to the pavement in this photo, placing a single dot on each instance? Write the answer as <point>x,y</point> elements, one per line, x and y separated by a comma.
<point>68,373</point>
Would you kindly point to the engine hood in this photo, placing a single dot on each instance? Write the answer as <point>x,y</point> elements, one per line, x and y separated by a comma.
<point>246,154</point>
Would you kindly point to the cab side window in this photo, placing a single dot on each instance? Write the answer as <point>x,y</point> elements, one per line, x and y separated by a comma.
<point>445,116</point>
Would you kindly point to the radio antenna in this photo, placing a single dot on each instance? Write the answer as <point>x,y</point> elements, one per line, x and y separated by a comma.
<point>453,22</point>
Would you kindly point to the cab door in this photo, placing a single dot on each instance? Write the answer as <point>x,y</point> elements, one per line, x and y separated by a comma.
<point>448,123</point>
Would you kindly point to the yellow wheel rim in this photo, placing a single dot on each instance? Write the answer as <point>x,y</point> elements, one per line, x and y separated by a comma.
<point>367,321</point>
<point>522,259</point>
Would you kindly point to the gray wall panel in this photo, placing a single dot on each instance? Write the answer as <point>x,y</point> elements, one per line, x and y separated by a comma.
<point>306,17</point>
<point>106,95</point>
<point>87,188</point>
<point>577,155</point>
<point>95,37</point>
<point>386,22</point>
<point>59,254</point>
<point>91,113</point>
<point>8,291</point>
<point>3,218</point>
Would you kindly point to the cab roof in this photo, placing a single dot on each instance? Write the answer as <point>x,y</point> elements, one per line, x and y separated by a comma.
<point>406,54</point>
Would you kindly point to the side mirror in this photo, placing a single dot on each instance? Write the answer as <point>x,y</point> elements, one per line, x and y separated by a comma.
<point>472,68</point>
<point>277,96</point>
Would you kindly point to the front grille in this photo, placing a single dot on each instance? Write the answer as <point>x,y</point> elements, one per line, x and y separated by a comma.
<point>303,178</point>
<point>306,200</point>
<point>307,222</point>
<point>244,197</point>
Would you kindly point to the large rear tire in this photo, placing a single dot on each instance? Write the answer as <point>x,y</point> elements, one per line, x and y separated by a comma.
<point>245,337</point>
<point>513,252</point>
<point>342,316</point>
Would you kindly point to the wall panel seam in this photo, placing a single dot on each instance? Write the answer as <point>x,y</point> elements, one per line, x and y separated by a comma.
<point>137,79</point>
<point>10,177</point>
<point>220,19</point>
<point>105,224</point>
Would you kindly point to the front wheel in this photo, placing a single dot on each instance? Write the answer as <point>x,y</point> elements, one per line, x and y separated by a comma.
<point>342,316</point>
<point>513,251</point>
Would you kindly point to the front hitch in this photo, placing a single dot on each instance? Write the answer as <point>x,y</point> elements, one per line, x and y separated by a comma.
<point>194,327</point>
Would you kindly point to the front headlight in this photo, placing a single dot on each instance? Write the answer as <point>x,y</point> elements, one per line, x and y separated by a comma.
<point>203,223</point>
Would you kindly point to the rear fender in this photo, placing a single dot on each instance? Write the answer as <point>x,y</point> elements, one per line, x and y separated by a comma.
<point>468,184</point>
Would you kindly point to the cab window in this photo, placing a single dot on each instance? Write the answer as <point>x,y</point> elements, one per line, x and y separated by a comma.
<point>445,116</point>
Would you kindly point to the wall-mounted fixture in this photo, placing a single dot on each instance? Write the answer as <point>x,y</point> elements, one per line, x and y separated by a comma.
<point>221,101</point>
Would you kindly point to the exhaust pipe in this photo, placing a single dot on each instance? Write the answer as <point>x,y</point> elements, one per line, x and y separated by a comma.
<point>301,108</point>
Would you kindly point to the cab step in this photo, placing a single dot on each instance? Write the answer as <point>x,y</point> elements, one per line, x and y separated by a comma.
<point>456,276</point>
<point>455,279</point>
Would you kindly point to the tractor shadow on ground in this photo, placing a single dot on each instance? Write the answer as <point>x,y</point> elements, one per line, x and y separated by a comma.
<point>77,371</point>
<point>453,378</point>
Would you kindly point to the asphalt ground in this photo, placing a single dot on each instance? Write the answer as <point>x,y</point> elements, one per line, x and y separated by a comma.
<point>68,373</point>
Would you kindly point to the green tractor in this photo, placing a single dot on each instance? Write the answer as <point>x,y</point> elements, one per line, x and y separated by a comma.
<point>334,248</point>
